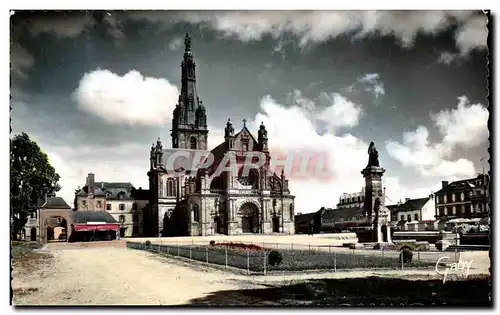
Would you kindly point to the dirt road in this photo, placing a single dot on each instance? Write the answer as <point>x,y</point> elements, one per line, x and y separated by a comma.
<point>120,276</point>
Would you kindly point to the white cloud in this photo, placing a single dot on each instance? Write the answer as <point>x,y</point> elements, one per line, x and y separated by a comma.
<point>294,128</point>
<point>318,26</point>
<point>175,43</point>
<point>465,127</point>
<point>448,58</point>
<point>342,112</point>
<point>396,192</point>
<point>372,84</point>
<point>129,99</point>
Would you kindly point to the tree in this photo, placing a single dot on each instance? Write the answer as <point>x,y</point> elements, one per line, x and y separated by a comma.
<point>31,178</point>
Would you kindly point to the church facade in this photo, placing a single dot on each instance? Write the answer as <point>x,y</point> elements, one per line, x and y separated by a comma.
<point>203,201</point>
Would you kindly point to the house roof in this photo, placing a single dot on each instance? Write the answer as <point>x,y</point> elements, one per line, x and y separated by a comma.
<point>92,216</point>
<point>55,203</point>
<point>463,184</point>
<point>344,213</point>
<point>111,190</point>
<point>411,204</point>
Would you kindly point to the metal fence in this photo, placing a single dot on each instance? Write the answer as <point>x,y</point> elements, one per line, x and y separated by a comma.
<point>295,257</point>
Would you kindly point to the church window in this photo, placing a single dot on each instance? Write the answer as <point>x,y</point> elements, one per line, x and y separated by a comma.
<point>408,217</point>
<point>99,204</point>
<point>453,197</point>
<point>122,206</point>
<point>196,213</point>
<point>402,217</point>
<point>416,216</point>
<point>122,219</point>
<point>193,143</point>
<point>445,201</point>
<point>291,211</point>
<point>108,206</point>
<point>462,197</point>
<point>454,210</point>
<point>170,188</point>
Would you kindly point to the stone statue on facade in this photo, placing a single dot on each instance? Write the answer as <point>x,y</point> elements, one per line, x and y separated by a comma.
<point>372,156</point>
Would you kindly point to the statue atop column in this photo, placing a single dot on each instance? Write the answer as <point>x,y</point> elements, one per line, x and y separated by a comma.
<point>372,156</point>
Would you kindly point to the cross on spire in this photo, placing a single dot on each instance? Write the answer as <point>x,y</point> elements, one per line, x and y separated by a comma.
<point>244,122</point>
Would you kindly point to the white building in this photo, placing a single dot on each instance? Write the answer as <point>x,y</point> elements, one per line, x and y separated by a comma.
<point>416,214</point>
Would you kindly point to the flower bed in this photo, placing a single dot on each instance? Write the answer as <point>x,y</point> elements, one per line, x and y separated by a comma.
<point>293,260</point>
<point>242,246</point>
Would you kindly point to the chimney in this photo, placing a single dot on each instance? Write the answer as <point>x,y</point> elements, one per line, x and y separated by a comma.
<point>407,199</point>
<point>444,183</point>
<point>91,183</point>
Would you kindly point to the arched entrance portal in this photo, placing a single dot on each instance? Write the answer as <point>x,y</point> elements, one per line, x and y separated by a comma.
<point>249,218</point>
<point>56,228</point>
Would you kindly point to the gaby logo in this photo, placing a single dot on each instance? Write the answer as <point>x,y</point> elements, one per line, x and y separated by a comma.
<point>295,164</point>
<point>461,266</point>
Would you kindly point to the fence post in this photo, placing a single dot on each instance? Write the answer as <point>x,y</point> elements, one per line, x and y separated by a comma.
<point>353,258</point>
<point>206,253</point>
<point>382,251</point>
<point>225,248</point>
<point>309,246</point>
<point>167,249</point>
<point>277,245</point>
<point>402,260</point>
<point>190,257</point>
<point>264,262</point>
<point>456,254</point>
<point>418,255</point>
<point>334,261</point>
<point>248,262</point>
<point>292,245</point>
<point>177,249</point>
<point>329,249</point>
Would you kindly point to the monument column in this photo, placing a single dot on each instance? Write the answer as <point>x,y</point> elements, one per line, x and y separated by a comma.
<point>374,202</point>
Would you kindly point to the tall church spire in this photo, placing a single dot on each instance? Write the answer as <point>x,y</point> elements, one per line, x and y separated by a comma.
<point>189,123</point>
<point>189,96</point>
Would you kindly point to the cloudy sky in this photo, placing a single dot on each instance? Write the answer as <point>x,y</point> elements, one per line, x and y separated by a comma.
<point>95,89</point>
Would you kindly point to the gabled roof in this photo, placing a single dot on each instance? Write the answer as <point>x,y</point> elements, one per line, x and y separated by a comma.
<point>248,131</point>
<point>92,216</point>
<point>345,213</point>
<point>56,203</point>
<point>412,204</point>
<point>109,189</point>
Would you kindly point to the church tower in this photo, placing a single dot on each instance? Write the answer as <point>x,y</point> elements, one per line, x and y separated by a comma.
<point>189,124</point>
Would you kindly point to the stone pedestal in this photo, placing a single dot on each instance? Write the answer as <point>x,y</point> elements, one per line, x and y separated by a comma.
<point>375,194</point>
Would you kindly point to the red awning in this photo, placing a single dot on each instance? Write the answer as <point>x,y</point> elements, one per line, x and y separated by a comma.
<point>96,227</point>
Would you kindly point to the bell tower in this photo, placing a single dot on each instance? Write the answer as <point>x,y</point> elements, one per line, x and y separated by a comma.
<point>189,122</point>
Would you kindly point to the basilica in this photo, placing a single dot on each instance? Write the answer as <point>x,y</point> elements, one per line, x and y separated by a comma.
<point>202,201</point>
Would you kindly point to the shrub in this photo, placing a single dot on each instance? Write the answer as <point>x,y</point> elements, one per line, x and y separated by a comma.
<point>275,258</point>
<point>212,243</point>
<point>439,246</point>
<point>148,243</point>
<point>406,254</point>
